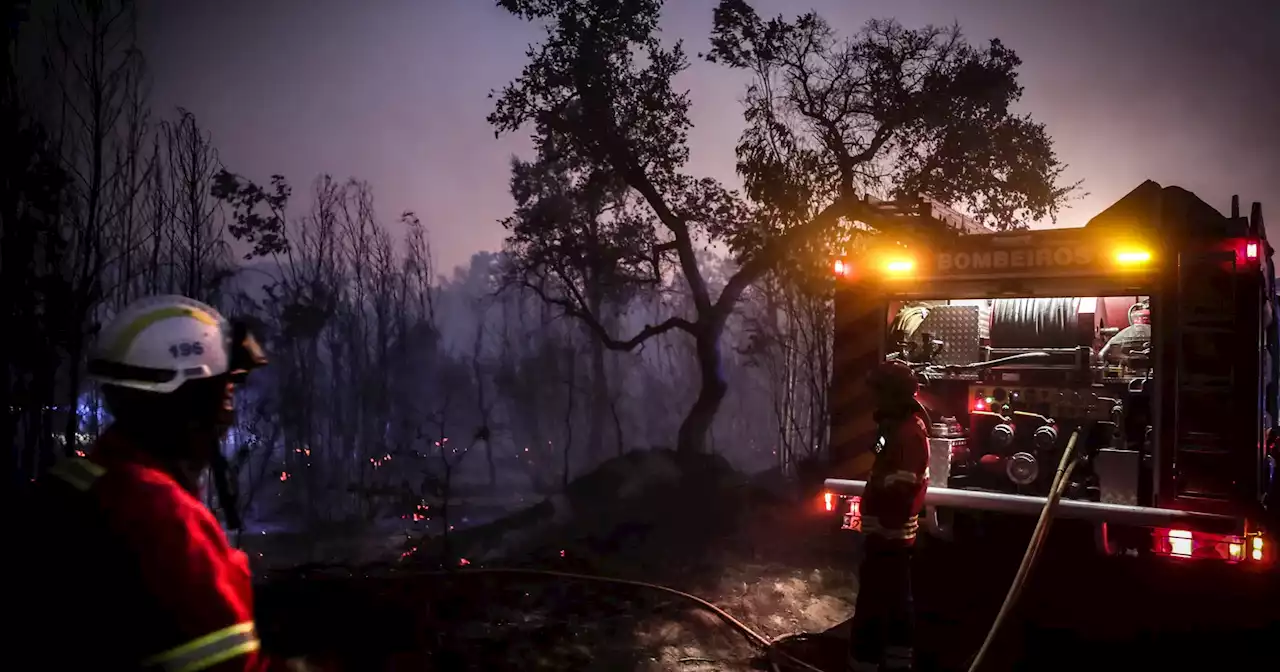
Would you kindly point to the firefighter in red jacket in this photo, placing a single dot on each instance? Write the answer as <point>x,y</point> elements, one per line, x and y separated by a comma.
<point>128,568</point>
<point>883,620</point>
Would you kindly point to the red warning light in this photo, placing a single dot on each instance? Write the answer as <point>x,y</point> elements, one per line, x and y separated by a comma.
<point>979,405</point>
<point>1251,250</point>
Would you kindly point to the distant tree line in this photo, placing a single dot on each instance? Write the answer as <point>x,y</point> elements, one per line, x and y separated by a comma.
<point>633,305</point>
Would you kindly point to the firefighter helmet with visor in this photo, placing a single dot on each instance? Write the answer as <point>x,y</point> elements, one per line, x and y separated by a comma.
<point>158,343</point>
<point>893,382</point>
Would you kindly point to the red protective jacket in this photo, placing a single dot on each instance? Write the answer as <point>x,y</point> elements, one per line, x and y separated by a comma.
<point>895,490</point>
<point>189,593</point>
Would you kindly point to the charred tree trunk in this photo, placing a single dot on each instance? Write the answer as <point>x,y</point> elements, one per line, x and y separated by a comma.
<point>692,437</point>
<point>599,406</point>
<point>71,419</point>
<point>446,493</point>
<point>491,466</point>
<point>617,426</point>
<point>569,407</point>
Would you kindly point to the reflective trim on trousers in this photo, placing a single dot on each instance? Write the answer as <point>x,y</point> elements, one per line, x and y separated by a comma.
<point>871,525</point>
<point>205,652</point>
<point>898,658</point>
<point>856,665</point>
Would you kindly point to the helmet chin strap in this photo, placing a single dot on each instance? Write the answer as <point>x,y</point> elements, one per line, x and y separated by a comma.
<point>186,451</point>
<point>205,452</point>
<point>186,472</point>
<point>901,408</point>
<point>224,487</point>
<point>920,408</point>
<point>188,467</point>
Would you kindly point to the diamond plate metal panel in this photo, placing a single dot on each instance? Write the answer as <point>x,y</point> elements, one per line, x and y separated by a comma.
<point>959,328</point>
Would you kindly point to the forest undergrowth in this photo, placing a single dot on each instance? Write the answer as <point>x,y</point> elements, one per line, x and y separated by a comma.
<point>762,553</point>
<point>691,523</point>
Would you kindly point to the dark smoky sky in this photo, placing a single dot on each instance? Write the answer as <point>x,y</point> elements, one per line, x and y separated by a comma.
<point>1184,92</point>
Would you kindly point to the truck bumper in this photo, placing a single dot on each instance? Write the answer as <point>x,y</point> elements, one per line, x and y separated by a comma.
<point>1118,514</point>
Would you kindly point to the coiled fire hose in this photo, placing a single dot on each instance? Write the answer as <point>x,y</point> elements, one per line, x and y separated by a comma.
<point>1060,481</point>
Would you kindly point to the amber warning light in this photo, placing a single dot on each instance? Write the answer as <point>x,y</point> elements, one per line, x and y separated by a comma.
<point>893,266</point>
<point>1132,257</point>
<point>899,266</point>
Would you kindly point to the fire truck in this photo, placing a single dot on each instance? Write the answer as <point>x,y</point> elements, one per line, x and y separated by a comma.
<point>1145,344</point>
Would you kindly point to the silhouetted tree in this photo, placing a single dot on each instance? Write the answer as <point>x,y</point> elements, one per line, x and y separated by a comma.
<point>79,107</point>
<point>32,189</point>
<point>198,247</point>
<point>580,240</point>
<point>896,111</point>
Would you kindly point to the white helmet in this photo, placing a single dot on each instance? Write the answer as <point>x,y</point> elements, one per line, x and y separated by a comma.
<point>158,343</point>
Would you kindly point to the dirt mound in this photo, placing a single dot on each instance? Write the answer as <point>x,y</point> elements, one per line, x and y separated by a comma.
<point>648,514</point>
<point>625,500</point>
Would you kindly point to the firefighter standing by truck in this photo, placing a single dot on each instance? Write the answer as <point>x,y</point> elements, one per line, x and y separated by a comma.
<point>883,620</point>
<point>124,567</point>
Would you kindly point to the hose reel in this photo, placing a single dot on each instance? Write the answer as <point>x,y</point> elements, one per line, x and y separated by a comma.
<point>1035,323</point>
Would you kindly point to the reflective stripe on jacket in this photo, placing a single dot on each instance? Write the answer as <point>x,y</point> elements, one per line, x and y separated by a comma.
<point>204,652</point>
<point>895,489</point>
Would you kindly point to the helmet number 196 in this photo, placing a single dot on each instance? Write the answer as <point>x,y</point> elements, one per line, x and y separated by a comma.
<point>190,349</point>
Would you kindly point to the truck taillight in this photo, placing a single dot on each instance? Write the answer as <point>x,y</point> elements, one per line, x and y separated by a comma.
<point>1248,250</point>
<point>1201,545</point>
<point>832,501</point>
<point>1181,543</point>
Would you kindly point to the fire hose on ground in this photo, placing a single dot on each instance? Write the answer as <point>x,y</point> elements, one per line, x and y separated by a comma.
<point>1060,481</point>
<point>779,659</point>
<point>1019,504</point>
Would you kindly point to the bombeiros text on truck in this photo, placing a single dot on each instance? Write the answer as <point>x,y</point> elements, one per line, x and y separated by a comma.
<point>1142,349</point>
